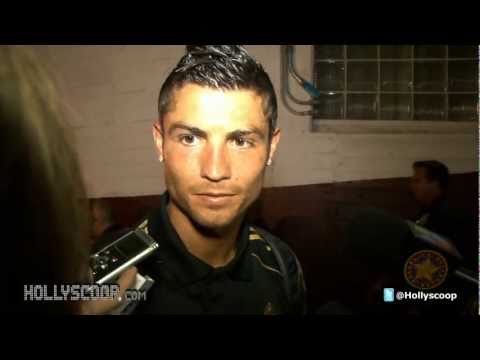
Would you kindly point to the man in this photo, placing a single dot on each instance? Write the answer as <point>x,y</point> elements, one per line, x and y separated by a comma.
<point>429,185</point>
<point>215,136</point>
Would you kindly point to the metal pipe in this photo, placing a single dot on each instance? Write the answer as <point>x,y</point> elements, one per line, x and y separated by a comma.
<point>308,87</point>
<point>287,85</point>
<point>287,58</point>
<point>284,84</point>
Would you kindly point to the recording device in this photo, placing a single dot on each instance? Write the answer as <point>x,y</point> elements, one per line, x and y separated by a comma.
<point>128,250</point>
<point>112,259</point>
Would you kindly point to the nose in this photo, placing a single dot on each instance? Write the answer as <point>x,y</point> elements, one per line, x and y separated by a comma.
<point>215,163</point>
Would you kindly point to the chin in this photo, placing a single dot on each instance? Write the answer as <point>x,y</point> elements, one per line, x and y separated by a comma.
<point>213,222</point>
<point>209,219</point>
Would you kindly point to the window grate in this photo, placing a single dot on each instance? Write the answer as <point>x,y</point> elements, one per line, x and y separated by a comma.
<point>403,82</point>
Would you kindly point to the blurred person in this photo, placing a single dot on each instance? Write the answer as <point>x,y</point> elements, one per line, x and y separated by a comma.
<point>429,186</point>
<point>45,229</point>
<point>101,217</point>
<point>103,228</point>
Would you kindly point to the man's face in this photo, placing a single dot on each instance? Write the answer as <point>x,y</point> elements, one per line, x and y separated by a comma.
<point>215,147</point>
<point>424,190</point>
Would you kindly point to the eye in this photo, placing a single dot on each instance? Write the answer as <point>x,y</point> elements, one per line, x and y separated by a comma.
<point>188,140</point>
<point>242,142</point>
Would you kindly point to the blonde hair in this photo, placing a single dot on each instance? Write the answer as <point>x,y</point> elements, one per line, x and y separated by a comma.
<point>42,187</point>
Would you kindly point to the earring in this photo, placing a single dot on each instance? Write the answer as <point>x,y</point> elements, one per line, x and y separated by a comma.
<point>160,158</point>
<point>269,162</point>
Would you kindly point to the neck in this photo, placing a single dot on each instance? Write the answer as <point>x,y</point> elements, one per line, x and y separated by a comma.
<point>216,247</point>
<point>434,202</point>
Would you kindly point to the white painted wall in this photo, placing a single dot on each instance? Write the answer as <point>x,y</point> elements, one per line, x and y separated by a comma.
<point>111,94</point>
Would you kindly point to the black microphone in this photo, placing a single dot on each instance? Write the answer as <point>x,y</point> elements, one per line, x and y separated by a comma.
<point>378,236</point>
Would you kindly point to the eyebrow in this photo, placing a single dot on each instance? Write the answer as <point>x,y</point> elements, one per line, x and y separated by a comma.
<point>201,133</point>
<point>252,131</point>
<point>194,130</point>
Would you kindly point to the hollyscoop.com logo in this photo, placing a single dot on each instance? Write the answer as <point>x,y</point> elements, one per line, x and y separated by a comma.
<point>425,269</point>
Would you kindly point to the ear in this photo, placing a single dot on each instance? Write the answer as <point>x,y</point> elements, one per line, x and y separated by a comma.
<point>273,145</point>
<point>158,139</point>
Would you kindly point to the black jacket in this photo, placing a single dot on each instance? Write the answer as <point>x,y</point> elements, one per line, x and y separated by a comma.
<point>252,283</point>
<point>454,224</point>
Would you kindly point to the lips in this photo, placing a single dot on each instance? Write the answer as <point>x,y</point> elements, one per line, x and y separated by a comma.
<point>215,199</point>
<point>211,194</point>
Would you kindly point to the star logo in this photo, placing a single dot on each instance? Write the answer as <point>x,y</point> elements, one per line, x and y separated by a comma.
<point>426,269</point>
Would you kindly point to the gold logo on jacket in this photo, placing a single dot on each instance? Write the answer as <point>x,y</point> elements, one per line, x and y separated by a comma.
<point>426,269</point>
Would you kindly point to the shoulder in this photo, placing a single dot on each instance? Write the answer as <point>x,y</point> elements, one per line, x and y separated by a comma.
<point>270,244</point>
<point>290,268</point>
<point>268,238</point>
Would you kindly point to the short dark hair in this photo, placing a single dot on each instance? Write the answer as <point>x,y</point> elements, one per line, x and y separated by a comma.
<point>434,171</point>
<point>224,67</point>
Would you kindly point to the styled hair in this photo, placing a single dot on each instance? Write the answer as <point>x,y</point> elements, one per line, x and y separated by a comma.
<point>223,67</point>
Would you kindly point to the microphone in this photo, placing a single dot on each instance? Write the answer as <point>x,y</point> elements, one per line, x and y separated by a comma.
<point>381,237</point>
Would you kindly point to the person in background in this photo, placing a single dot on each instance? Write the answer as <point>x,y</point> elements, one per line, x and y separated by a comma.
<point>429,186</point>
<point>45,230</point>
<point>103,228</point>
